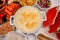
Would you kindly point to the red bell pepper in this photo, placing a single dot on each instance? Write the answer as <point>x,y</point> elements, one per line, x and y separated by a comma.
<point>51,15</point>
<point>54,27</point>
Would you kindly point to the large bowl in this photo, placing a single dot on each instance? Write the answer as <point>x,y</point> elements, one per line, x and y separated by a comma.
<point>13,22</point>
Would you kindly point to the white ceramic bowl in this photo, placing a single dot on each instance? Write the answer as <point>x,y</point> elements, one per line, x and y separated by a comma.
<point>13,22</point>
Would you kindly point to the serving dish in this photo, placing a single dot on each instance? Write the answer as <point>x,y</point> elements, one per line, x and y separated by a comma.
<point>14,17</point>
<point>27,34</point>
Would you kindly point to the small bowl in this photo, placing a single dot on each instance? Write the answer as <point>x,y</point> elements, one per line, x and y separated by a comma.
<point>31,37</point>
<point>43,8</point>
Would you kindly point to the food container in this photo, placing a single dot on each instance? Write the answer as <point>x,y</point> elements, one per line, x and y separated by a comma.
<point>43,4</point>
<point>42,13</point>
<point>12,22</point>
<point>31,37</point>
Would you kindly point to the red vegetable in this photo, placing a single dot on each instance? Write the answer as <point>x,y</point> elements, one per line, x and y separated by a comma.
<point>1,15</point>
<point>8,12</point>
<point>54,27</point>
<point>11,9</point>
<point>51,15</point>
